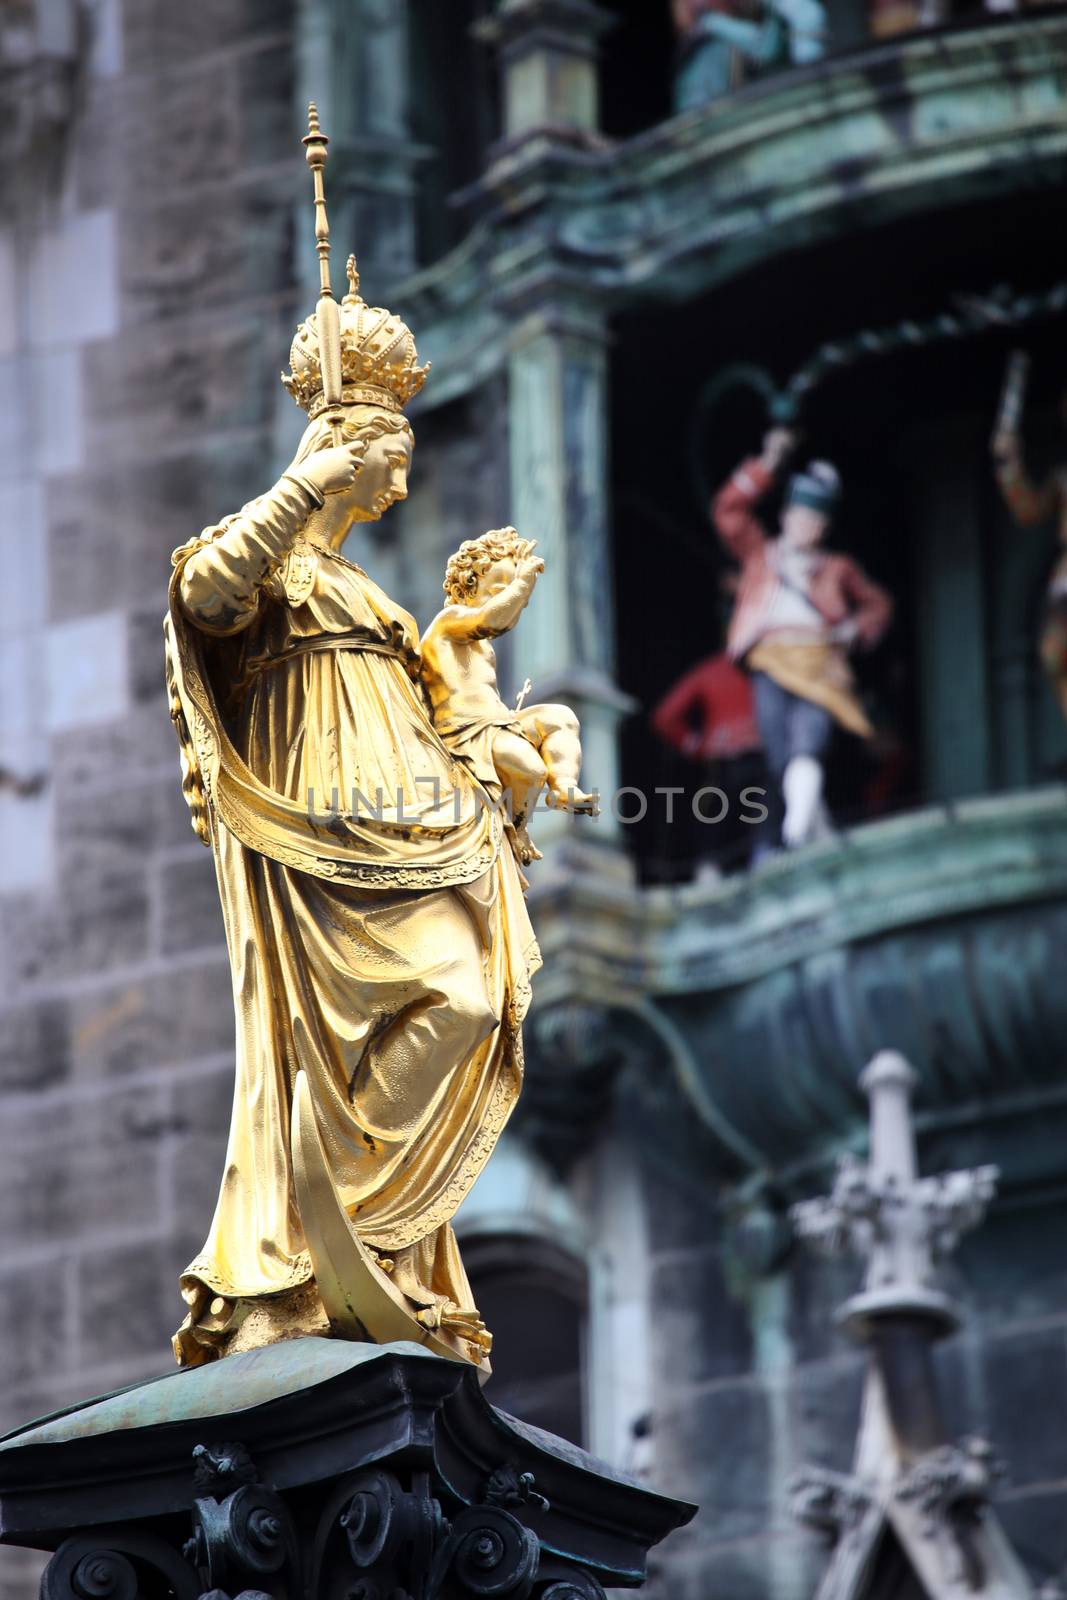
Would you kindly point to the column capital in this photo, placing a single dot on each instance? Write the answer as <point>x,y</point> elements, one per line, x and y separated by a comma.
<point>548,52</point>
<point>548,306</point>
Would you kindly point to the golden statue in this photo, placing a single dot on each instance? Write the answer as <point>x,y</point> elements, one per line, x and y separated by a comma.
<point>378,936</point>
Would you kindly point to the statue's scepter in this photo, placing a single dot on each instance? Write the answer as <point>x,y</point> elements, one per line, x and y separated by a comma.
<point>327,318</point>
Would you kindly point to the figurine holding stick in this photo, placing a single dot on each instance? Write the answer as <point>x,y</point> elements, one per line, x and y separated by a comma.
<point>800,609</point>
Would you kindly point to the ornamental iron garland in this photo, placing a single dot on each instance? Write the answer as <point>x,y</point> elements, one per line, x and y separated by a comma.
<point>971,314</point>
<point>1001,308</point>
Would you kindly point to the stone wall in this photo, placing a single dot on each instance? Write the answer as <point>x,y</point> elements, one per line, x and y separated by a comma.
<point>146,304</point>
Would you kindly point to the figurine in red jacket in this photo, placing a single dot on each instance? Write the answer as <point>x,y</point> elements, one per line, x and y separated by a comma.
<point>708,714</point>
<point>800,609</point>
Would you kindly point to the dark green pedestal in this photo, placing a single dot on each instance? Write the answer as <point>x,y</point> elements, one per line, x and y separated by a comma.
<point>320,1470</point>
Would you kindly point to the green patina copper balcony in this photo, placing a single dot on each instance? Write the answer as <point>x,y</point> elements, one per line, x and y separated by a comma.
<point>753,1004</point>
<point>908,128</point>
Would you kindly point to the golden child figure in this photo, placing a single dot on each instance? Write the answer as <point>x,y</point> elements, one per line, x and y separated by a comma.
<point>513,754</point>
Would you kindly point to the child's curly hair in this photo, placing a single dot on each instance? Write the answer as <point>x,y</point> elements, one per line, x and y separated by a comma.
<point>476,556</point>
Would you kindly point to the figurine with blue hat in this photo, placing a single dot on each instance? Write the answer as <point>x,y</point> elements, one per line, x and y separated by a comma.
<point>800,610</point>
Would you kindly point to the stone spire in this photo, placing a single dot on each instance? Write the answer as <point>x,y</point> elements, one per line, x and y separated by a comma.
<point>910,1485</point>
<point>884,1212</point>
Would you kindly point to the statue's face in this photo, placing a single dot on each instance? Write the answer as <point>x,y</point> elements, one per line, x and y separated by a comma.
<point>803,527</point>
<point>498,576</point>
<point>383,478</point>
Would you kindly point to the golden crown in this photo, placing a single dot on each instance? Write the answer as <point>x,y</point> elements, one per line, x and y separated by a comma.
<point>379,362</point>
<point>350,354</point>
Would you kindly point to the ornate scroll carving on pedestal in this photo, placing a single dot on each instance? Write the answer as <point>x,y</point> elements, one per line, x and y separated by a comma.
<point>507,1486</point>
<point>581,1586</point>
<point>246,1594</point>
<point>117,1564</point>
<point>380,1538</point>
<point>242,1532</point>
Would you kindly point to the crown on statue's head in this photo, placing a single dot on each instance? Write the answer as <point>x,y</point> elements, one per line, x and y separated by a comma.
<point>379,362</point>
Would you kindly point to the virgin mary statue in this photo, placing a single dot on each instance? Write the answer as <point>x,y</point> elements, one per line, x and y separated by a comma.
<point>378,937</point>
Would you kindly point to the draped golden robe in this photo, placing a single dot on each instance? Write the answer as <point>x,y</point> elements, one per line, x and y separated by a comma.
<point>377,932</point>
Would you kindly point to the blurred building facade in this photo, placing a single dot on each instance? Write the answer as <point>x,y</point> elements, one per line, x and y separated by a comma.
<point>582,267</point>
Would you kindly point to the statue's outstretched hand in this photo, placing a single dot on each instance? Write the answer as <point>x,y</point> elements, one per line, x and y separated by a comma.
<point>334,469</point>
<point>529,566</point>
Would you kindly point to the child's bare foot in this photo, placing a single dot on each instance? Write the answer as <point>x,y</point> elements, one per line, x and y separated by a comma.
<point>577,800</point>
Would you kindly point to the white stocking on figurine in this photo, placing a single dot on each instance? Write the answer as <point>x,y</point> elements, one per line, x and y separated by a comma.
<point>805,815</point>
